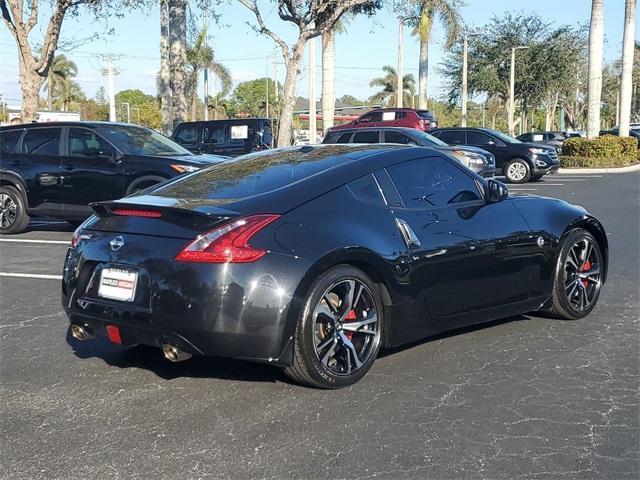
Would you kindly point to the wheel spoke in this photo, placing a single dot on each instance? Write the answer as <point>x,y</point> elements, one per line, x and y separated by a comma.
<point>330,305</point>
<point>329,353</point>
<point>351,298</point>
<point>571,289</point>
<point>573,260</point>
<point>356,326</point>
<point>351,350</point>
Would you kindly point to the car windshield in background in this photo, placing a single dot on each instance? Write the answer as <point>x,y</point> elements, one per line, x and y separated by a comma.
<point>430,138</point>
<point>141,141</point>
<point>504,137</point>
<point>250,175</point>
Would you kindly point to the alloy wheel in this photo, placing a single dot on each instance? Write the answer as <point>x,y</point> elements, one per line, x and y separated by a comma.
<point>346,327</point>
<point>8,210</point>
<point>517,171</point>
<point>582,274</point>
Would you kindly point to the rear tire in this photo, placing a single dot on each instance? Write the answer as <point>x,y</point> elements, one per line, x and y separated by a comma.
<point>339,331</point>
<point>517,171</point>
<point>578,277</point>
<point>13,211</point>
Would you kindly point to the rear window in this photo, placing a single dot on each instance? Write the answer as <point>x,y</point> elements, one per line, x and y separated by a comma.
<point>252,174</point>
<point>9,140</point>
<point>425,114</point>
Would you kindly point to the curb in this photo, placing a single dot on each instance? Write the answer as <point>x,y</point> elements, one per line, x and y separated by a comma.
<point>630,168</point>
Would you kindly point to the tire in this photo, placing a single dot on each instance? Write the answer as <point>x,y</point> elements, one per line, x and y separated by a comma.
<point>13,212</point>
<point>571,284</point>
<point>536,178</point>
<point>142,183</point>
<point>517,170</point>
<point>327,349</point>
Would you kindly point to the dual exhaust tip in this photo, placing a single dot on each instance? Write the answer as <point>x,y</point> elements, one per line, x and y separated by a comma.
<point>170,352</point>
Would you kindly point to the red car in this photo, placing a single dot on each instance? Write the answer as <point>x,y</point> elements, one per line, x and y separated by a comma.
<point>393,117</point>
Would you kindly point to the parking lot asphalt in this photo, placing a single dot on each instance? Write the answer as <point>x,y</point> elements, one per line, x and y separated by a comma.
<point>527,397</point>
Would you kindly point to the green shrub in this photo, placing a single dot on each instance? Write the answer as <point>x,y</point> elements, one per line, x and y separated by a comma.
<point>606,146</point>
<point>567,161</point>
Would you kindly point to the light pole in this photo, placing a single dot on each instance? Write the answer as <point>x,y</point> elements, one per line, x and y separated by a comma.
<point>399,82</point>
<point>128,111</point>
<point>465,53</point>
<point>512,87</point>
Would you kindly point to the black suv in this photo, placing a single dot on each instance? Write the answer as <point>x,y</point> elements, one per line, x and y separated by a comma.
<point>519,162</point>
<point>57,169</point>
<point>225,137</point>
<point>476,159</point>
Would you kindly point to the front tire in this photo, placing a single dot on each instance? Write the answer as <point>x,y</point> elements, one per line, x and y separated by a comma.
<point>13,212</point>
<point>578,277</point>
<point>517,171</point>
<point>339,331</point>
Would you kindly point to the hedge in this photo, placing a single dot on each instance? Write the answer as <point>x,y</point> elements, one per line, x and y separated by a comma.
<point>606,146</point>
<point>597,162</point>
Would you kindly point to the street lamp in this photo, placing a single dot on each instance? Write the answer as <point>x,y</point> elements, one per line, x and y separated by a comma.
<point>512,81</point>
<point>465,52</point>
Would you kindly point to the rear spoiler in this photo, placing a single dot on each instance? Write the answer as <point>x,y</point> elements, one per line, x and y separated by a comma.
<point>203,211</point>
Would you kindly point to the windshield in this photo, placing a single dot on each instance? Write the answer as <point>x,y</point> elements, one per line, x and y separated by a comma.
<point>430,138</point>
<point>141,141</point>
<point>504,137</point>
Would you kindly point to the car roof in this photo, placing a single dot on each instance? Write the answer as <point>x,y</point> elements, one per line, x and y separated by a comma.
<point>228,120</point>
<point>374,129</point>
<point>78,123</point>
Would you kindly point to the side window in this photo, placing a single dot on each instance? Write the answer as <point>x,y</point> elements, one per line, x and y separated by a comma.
<point>366,189</point>
<point>85,143</point>
<point>371,117</point>
<point>478,138</point>
<point>187,134</point>
<point>452,137</point>
<point>366,137</point>
<point>432,183</point>
<point>395,137</point>
<point>42,141</point>
<point>214,134</point>
<point>525,138</point>
<point>344,138</point>
<point>9,140</point>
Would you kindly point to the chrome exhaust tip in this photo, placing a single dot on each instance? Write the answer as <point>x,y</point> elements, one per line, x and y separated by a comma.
<point>174,354</point>
<point>80,333</point>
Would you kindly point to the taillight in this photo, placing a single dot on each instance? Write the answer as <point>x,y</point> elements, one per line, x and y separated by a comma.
<point>228,243</point>
<point>127,212</point>
<point>75,238</point>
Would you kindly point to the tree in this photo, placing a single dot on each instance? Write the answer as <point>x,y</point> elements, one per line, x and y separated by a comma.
<point>596,47</point>
<point>328,78</point>
<point>59,80</point>
<point>627,67</point>
<point>422,21</point>
<point>200,56</point>
<point>178,56</point>
<point>351,100</point>
<point>311,18</point>
<point>34,60</point>
<point>389,84</point>
<point>249,98</point>
<point>164,84</point>
<point>144,109</point>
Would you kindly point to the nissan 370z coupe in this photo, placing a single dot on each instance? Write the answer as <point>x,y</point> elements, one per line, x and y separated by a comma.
<point>314,258</point>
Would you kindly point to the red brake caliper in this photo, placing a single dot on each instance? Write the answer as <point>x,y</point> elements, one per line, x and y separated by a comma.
<point>351,316</point>
<point>586,267</point>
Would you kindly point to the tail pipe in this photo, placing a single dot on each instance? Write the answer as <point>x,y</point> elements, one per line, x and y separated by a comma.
<point>174,354</point>
<point>81,333</point>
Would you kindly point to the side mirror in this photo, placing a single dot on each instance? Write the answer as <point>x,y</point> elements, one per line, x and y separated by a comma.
<point>496,191</point>
<point>491,142</point>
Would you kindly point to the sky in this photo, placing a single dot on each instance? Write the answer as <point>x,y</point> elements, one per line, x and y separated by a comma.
<point>367,45</point>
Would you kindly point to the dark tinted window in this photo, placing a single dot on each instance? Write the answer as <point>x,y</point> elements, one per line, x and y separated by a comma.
<point>395,137</point>
<point>187,134</point>
<point>425,114</point>
<point>214,134</point>
<point>432,182</point>
<point>452,137</point>
<point>526,137</point>
<point>366,188</point>
<point>478,138</point>
<point>344,138</point>
<point>9,140</point>
<point>85,143</point>
<point>42,141</point>
<point>140,141</point>
<point>366,137</point>
<point>252,174</point>
<point>371,117</point>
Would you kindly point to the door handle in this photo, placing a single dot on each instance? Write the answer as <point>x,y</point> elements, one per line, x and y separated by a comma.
<point>410,238</point>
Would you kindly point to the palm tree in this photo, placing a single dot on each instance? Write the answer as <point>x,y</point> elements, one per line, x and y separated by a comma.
<point>329,73</point>
<point>390,87</point>
<point>200,56</point>
<point>446,11</point>
<point>178,57</point>
<point>61,75</point>
<point>164,87</point>
<point>596,47</point>
<point>626,80</point>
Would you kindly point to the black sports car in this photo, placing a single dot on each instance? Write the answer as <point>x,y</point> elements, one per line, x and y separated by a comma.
<point>314,258</point>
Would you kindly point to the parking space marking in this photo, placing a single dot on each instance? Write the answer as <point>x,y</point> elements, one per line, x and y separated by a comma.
<point>31,275</point>
<point>25,240</point>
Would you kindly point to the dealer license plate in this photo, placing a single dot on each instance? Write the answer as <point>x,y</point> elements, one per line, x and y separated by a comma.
<point>118,284</point>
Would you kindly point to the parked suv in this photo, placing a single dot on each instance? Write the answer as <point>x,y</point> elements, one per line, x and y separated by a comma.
<point>476,159</point>
<point>225,137</point>
<point>57,169</point>
<point>553,139</point>
<point>393,117</point>
<point>519,162</point>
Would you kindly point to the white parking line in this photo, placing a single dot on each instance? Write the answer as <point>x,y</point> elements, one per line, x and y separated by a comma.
<point>31,275</point>
<point>24,240</point>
